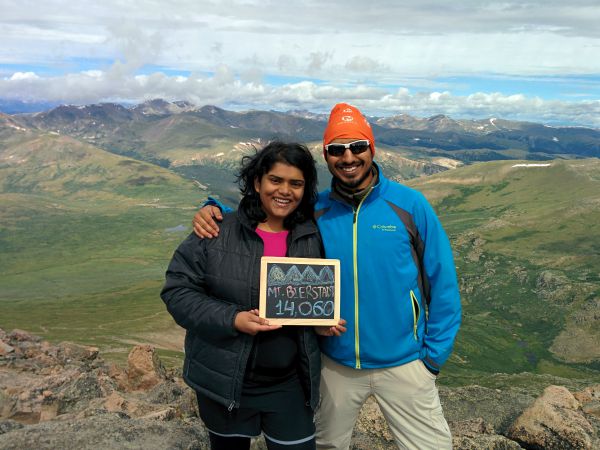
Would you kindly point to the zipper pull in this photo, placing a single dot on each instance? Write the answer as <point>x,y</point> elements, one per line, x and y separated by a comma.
<point>416,311</point>
<point>230,407</point>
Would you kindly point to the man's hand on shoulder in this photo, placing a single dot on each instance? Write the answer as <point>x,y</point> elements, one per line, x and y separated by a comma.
<point>205,222</point>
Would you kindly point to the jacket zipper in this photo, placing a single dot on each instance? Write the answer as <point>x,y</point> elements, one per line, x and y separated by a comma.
<point>355,262</point>
<point>238,386</point>
<point>416,312</point>
<point>304,343</point>
<point>310,387</point>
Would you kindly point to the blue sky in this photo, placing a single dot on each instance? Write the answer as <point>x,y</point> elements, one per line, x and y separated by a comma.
<point>528,60</point>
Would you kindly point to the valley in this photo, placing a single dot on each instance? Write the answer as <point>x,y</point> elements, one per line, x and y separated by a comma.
<point>526,244</point>
<point>94,200</point>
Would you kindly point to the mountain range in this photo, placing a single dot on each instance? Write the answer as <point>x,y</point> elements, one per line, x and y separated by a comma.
<point>94,200</point>
<point>464,140</point>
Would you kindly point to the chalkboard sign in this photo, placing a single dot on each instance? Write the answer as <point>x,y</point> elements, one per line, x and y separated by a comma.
<point>300,291</point>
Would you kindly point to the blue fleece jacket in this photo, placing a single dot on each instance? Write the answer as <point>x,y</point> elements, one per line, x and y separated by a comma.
<point>383,290</point>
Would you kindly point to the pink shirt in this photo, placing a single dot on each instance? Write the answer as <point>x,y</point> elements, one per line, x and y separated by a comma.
<point>275,243</point>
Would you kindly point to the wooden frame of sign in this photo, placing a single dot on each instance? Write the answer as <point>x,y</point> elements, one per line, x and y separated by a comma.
<point>300,291</point>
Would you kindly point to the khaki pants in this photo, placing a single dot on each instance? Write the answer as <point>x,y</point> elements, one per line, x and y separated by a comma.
<point>407,397</point>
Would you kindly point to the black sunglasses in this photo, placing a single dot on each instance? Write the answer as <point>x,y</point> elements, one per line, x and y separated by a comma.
<point>356,147</point>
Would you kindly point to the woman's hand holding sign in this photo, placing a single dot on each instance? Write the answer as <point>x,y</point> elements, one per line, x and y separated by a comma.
<point>248,322</point>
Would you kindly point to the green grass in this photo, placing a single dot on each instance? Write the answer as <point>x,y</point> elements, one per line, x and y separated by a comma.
<point>85,262</point>
<point>93,319</point>
<point>504,317</point>
<point>537,220</point>
<point>90,277</point>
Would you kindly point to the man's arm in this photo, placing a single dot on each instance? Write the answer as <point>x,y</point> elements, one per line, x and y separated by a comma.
<point>206,218</point>
<point>205,222</point>
<point>445,308</point>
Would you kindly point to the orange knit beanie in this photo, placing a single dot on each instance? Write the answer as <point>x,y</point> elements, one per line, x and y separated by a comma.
<point>346,121</point>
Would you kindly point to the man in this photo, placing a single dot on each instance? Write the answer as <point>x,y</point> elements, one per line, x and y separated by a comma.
<point>399,294</point>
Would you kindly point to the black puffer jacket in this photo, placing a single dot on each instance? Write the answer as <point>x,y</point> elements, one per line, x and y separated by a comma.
<point>208,281</point>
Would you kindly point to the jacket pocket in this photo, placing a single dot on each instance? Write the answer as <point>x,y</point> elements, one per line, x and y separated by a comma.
<point>428,373</point>
<point>416,309</point>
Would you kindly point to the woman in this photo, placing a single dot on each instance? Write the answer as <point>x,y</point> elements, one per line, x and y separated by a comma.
<point>250,376</point>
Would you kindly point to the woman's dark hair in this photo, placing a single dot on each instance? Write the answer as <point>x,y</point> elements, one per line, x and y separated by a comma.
<point>255,166</point>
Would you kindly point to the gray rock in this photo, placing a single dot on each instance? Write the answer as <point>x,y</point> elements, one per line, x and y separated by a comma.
<point>5,349</point>
<point>109,431</point>
<point>178,395</point>
<point>81,403</point>
<point>166,392</point>
<point>476,434</point>
<point>9,425</point>
<point>553,421</point>
<point>371,431</point>
<point>76,395</point>
<point>486,442</point>
<point>69,352</point>
<point>23,336</point>
<point>496,407</point>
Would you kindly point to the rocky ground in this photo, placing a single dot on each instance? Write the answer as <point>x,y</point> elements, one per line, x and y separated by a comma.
<point>65,396</point>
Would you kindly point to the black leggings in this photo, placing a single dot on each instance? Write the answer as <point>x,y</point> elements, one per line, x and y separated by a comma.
<point>243,443</point>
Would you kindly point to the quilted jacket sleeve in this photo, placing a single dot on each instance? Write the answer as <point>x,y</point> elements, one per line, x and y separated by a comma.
<point>186,298</point>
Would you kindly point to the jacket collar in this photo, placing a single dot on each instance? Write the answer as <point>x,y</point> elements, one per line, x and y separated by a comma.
<point>301,229</point>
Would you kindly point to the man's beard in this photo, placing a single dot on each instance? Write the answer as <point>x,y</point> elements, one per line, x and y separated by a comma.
<point>353,185</point>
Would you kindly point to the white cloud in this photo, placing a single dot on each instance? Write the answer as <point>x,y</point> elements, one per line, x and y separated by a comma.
<point>408,38</point>
<point>18,76</point>
<point>93,73</point>
<point>365,64</point>
<point>96,51</point>
<point>226,90</point>
<point>318,60</point>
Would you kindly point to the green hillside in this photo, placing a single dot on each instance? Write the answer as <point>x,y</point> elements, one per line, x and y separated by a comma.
<point>527,243</point>
<point>206,144</point>
<point>85,237</point>
<point>179,139</point>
